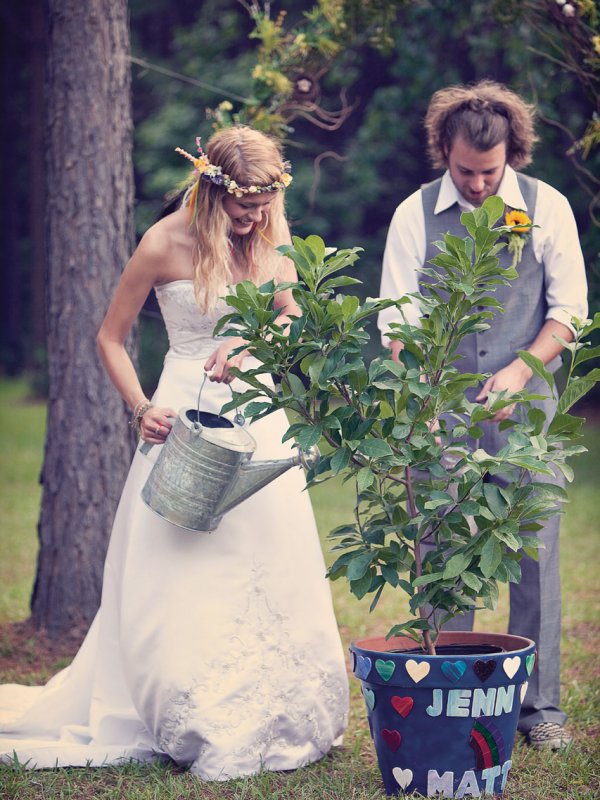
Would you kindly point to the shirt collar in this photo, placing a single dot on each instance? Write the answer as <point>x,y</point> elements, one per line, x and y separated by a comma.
<point>508,190</point>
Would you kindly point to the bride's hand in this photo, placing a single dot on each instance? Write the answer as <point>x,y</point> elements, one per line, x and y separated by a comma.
<point>220,362</point>
<point>156,424</point>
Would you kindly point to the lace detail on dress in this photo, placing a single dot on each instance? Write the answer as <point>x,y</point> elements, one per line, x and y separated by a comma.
<point>190,331</point>
<point>270,711</point>
<point>181,707</point>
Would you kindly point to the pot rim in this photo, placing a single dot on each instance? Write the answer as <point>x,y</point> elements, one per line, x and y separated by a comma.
<point>509,642</point>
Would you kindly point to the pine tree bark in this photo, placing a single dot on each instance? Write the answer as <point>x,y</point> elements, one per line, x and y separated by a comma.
<point>89,222</point>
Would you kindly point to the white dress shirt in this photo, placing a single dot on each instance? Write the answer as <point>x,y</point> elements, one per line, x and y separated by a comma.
<point>555,245</point>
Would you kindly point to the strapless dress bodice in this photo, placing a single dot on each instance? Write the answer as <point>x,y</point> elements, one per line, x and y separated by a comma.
<point>190,331</point>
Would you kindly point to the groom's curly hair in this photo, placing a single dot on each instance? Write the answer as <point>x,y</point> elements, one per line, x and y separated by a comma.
<point>484,114</point>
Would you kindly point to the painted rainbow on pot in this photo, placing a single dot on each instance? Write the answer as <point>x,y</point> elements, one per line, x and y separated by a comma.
<point>488,744</point>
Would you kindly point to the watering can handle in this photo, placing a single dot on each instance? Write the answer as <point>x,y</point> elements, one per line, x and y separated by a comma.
<point>197,425</point>
<point>239,418</point>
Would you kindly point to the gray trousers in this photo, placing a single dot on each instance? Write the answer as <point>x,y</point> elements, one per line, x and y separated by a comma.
<point>535,603</point>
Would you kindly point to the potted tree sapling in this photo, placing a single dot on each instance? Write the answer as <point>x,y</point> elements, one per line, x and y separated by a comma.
<point>434,517</point>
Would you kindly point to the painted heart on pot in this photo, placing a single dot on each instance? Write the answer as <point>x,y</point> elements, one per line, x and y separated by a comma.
<point>483,669</point>
<point>511,666</point>
<point>402,776</point>
<point>369,696</point>
<point>403,705</point>
<point>391,738</point>
<point>530,662</point>
<point>417,671</point>
<point>363,667</point>
<point>453,670</point>
<point>385,668</point>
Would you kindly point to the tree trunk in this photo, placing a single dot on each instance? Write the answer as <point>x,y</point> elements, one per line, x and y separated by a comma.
<point>37,184</point>
<point>89,233</point>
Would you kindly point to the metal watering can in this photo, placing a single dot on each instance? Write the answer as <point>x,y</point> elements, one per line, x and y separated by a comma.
<point>204,469</point>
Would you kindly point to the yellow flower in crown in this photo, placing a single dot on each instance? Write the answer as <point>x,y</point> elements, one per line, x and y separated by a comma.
<point>520,225</point>
<point>202,164</point>
<point>286,178</point>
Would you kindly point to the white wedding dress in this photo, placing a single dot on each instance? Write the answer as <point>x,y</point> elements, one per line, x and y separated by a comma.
<point>218,650</point>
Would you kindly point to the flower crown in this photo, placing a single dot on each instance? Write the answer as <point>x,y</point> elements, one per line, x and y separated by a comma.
<point>214,174</point>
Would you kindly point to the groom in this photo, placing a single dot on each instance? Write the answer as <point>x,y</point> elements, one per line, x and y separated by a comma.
<point>480,135</point>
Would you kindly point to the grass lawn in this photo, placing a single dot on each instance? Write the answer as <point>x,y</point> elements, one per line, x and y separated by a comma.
<point>350,773</point>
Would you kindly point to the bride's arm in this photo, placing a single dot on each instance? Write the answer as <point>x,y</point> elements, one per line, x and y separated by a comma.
<point>142,272</point>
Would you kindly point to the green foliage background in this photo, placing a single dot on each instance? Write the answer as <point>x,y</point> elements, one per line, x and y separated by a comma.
<point>190,55</point>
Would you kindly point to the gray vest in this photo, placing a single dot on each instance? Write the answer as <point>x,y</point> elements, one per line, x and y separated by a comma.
<point>524,301</point>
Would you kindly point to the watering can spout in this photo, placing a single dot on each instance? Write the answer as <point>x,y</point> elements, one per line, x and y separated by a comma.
<point>253,475</point>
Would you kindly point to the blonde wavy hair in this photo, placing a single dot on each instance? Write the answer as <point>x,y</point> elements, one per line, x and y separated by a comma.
<point>250,158</point>
<point>484,114</point>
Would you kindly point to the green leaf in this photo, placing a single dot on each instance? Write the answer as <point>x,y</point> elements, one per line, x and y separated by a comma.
<point>551,492</point>
<point>537,365</point>
<point>359,565</point>
<point>494,208</point>
<point>490,598</point>
<point>491,556</point>
<point>309,436</point>
<point>350,304</point>
<point>364,479</point>
<point>296,329</point>
<point>592,325</point>
<point>254,408</point>
<point>340,280</point>
<point>389,574</point>
<point>313,366</point>
<point>438,499</point>
<point>467,218</point>
<point>295,384</point>
<point>376,598</point>
<point>456,565</point>
<point>340,460</point>
<point>566,470</point>
<point>566,424</point>
<point>514,570</point>
<point>495,500</point>
<point>317,245</point>
<point>360,587</point>
<point>576,390</point>
<point>505,535</point>
<point>471,580</point>
<point>431,577</point>
<point>469,507</point>
<point>484,239</point>
<point>374,448</point>
<point>586,354</point>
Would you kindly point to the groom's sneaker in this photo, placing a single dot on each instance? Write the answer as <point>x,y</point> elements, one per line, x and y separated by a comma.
<point>549,735</point>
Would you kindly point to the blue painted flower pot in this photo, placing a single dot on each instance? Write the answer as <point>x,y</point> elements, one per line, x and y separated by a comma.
<point>444,725</point>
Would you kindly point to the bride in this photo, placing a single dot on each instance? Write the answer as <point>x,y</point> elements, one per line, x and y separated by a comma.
<point>217,650</point>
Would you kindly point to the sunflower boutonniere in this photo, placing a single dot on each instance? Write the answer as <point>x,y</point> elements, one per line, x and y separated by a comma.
<point>520,225</point>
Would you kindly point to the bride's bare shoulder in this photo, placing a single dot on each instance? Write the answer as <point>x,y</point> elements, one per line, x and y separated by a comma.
<point>168,232</point>
<point>168,245</point>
